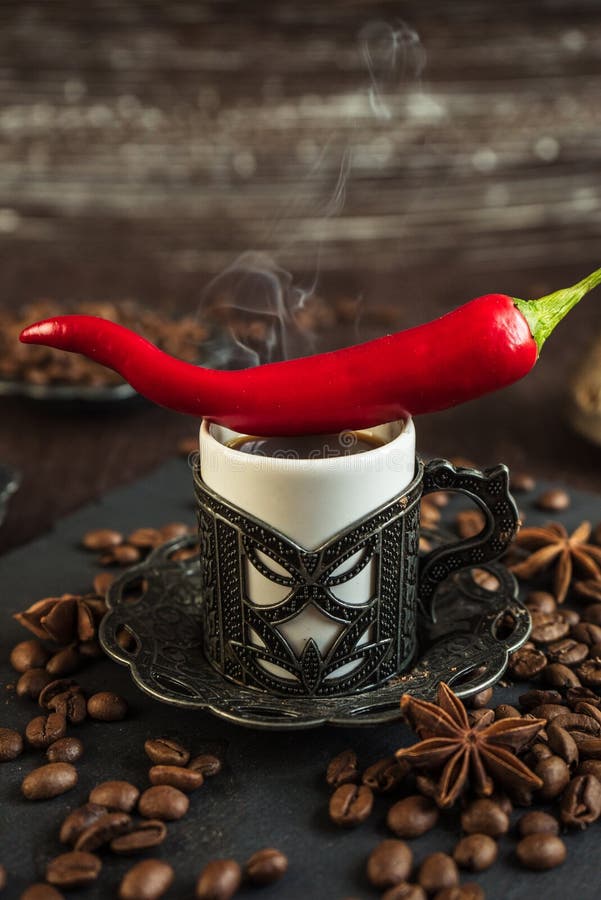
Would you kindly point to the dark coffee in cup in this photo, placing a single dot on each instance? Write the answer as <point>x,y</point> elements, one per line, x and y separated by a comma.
<point>318,446</point>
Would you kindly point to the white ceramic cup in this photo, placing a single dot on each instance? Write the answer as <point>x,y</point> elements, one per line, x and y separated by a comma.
<point>309,501</point>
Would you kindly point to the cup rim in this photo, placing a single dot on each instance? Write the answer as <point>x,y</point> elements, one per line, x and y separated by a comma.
<point>407,433</point>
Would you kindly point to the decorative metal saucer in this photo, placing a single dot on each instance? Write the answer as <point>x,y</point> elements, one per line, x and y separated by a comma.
<point>153,626</point>
<point>60,393</point>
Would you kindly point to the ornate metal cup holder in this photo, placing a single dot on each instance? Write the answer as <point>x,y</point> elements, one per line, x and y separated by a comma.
<point>155,606</point>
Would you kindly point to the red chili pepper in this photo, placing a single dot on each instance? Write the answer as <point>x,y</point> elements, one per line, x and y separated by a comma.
<point>480,347</point>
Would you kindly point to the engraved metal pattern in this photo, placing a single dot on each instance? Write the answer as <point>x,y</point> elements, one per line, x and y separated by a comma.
<point>489,490</point>
<point>244,639</point>
<point>468,647</point>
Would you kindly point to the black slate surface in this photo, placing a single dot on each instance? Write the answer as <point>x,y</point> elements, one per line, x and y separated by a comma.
<point>271,792</point>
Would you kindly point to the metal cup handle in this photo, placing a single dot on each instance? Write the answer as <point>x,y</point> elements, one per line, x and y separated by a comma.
<point>489,490</point>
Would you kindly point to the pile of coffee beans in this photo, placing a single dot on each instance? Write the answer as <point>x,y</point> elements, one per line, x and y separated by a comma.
<point>38,365</point>
<point>118,817</point>
<point>561,664</point>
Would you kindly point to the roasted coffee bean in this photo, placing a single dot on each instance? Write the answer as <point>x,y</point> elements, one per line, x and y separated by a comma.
<point>481,717</point>
<point>537,752</point>
<point>581,801</point>
<point>164,751</point>
<point>343,769</point>
<point>389,864</point>
<point>438,871</point>
<point>590,767</point>
<point>145,538</point>
<point>521,482</point>
<point>575,721</point>
<point>103,830</point>
<point>481,699</point>
<point>55,689</point>
<point>412,816</point>
<point>266,866</point>
<point>41,891</point>
<point>146,834</point>
<point>219,880</point>
<point>553,500</point>
<point>102,539</point>
<point>588,747</point>
<point>405,891</point>
<point>102,582</point>
<point>205,763</point>
<point>567,651</point>
<point>548,711</point>
<point>186,780</point>
<point>562,743</point>
<point>115,795</point>
<point>485,817</point>
<point>555,776</point>
<point>174,530</point>
<point>107,707</point>
<point>11,744</point>
<point>589,672</point>
<point>65,662</point>
<point>49,781</point>
<point>78,820</point>
<point>385,774</point>
<point>45,730</point>
<point>587,633</point>
<point>469,890</point>
<point>525,664</point>
<point>570,616</point>
<point>29,654</point>
<point>531,699</point>
<point>541,602</point>
<point>537,822</point>
<point>558,675</point>
<point>469,522</point>
<point>541,851</point>
<point>123,555</point>
<point>67,749</point>
<point>73,869</point>
<point>32,682</point>
<point>147,880</point>
<point>476,852</point>
<point>351,804</point>
<point>575,695</point>
<point>163,802</point>
<point>72,705</point>
<point>547,627</point>
<point>505,711</point>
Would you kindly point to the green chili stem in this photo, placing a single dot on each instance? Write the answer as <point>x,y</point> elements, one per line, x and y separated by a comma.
<point>545,313</point>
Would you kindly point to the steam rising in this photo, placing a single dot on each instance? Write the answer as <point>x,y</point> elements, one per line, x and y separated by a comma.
<point>253,309</point>
<point>393,54</point>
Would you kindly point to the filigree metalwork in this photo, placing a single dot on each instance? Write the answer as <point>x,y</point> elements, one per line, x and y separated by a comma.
<point>244,636</point>
<point>468,647</point>
<point>244,639</point>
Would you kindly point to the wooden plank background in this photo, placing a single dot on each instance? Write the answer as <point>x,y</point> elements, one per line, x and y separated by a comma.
<point>145,145</point>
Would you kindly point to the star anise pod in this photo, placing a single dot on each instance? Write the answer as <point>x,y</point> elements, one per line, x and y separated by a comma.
<point>461,752</point>
<point>71,617</point>
<point>553,548</point>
